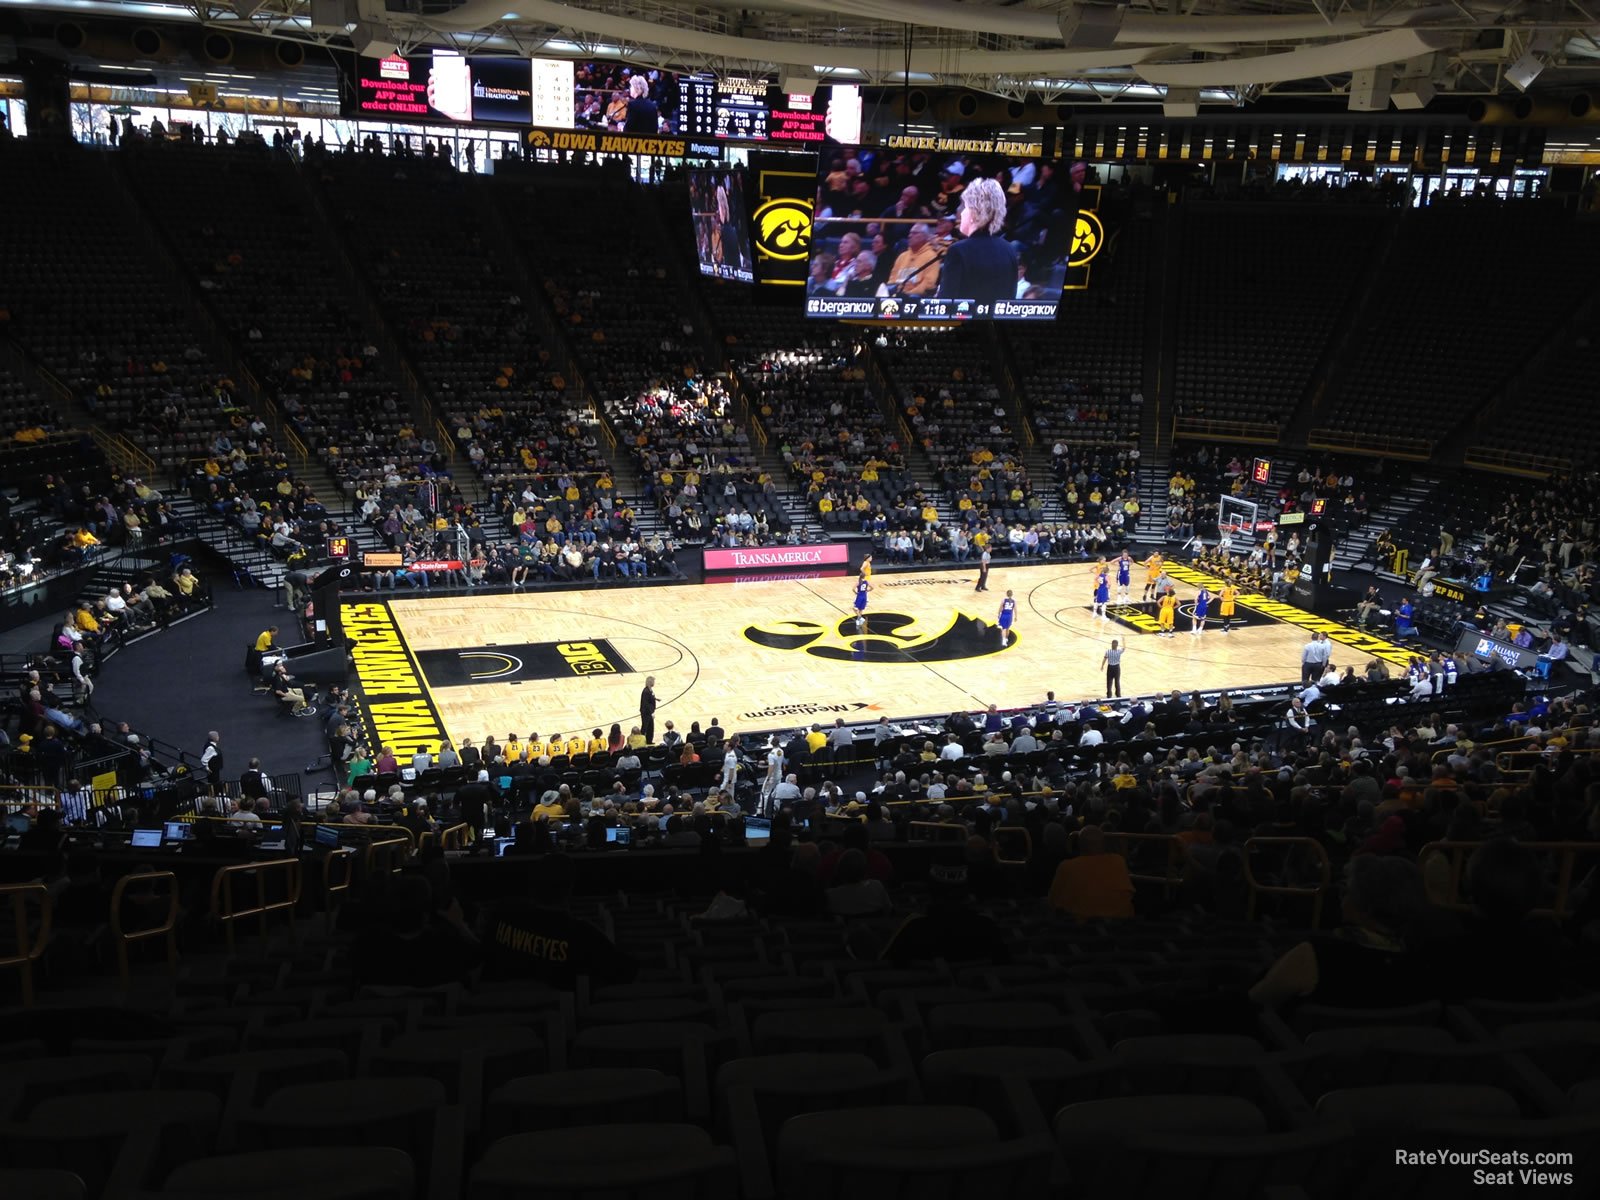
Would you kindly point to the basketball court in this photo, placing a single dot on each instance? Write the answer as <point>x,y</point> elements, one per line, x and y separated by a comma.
<point>781,652</point>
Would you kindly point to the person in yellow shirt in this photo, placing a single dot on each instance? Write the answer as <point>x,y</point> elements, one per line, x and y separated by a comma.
<point>930,515</point>
<point>597,742</point>
<point>576,744</point>
<point>513,749</point>
<point>816,739</point>
<point>1168,614</point>
<point>264,639</point>
<point>1225,598</point>
<point>1152,572</point>
<point>549,807</point>
<point>1093,884</point>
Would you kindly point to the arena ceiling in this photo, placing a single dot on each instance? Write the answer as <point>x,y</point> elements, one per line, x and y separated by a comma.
<point>1211,51</point>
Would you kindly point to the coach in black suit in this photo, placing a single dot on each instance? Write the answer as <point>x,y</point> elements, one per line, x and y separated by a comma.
<point>983,266</point>
<point>647,710</point>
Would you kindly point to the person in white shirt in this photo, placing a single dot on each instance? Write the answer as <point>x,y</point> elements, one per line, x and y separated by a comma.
<point>730,766</point>
<point>953,750</point>
<point>246,812</point>
<point>1091,736</point>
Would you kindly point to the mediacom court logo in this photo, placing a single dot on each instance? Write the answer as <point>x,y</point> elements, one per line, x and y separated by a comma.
<point>783,228</point>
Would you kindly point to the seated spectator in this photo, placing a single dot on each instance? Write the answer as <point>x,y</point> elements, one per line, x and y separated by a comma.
<point>536,938</point>
<point>1365,964</point>
<point>414,946</point>
<point>950,929</point>
<point>1094,884</point>
<point>852,893</point>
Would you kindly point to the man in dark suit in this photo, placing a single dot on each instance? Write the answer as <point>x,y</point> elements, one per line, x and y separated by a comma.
<point>647,710</point>
<point>474,800</point>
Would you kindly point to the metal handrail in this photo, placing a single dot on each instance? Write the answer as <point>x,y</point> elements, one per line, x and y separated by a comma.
<point>1257,888</point>
<point>1457,854</point>
<point>1516,462</point>
<point>166,929</point>
<point>338,873</point>
<point>1391,445</point>
<point>1502,761</point>
<point>394,860</point>
<point>1238,431</point>
<point>454,838</point>
<point>28,949</point>
<point>1172,878</point>
<point>222,898</point>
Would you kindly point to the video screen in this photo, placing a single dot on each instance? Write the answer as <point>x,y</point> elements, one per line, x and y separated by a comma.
<point>623,98</point>
<point>832,114</point>
<point>446,86</point>
<point>922,235</point>
<point>721,225</point>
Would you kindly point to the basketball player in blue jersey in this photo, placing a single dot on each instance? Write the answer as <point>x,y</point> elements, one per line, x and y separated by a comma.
<point>863,586</point>
<point>1008,615</point>
<point>1202,606</point>
<point>1102,593</point>
<point>1124,576</point>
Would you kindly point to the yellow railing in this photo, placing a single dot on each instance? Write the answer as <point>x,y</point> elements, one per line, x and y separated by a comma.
<point>1386,445</point>
<point>1566,856</point>
<point>447,443</point>
<point>338,873</point>
<point>27,943</point>
<point>1506,762</point>
<point>1440,755</point>
<point>454,838</point>
<point>388,855</point>
<point>296,447</point>
<point>166,929</point>
<point>1516,462</point>
<point>1258,889</point>
<point>122,453</point>
<point>1129,844</point>
<point>228,914</point>
<point>1233,431</point>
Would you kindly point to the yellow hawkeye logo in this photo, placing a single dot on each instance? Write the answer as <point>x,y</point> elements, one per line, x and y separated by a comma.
<point>783,228</point>
<point>884,637</point>
<point>1087,237</point>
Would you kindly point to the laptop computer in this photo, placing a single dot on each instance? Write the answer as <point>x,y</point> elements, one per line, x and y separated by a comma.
<point>327,835</point>
<point>757,830</point>
<point>145,839</point>
<point>502,844</point>
<point>175,833</point>
<point>619,835</point>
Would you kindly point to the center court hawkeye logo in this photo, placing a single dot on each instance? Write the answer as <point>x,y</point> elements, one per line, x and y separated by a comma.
<point>884,637</point>
<point>783,228</point>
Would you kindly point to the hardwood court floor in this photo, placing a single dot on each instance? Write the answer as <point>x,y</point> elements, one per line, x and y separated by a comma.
<point>780,653</point>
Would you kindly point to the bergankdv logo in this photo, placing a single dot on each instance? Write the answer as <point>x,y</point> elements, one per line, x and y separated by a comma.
<point>783,228</point>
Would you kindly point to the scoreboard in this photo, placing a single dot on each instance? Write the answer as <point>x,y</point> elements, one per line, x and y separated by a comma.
<point>741,109</point>
<point>697,106</point>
